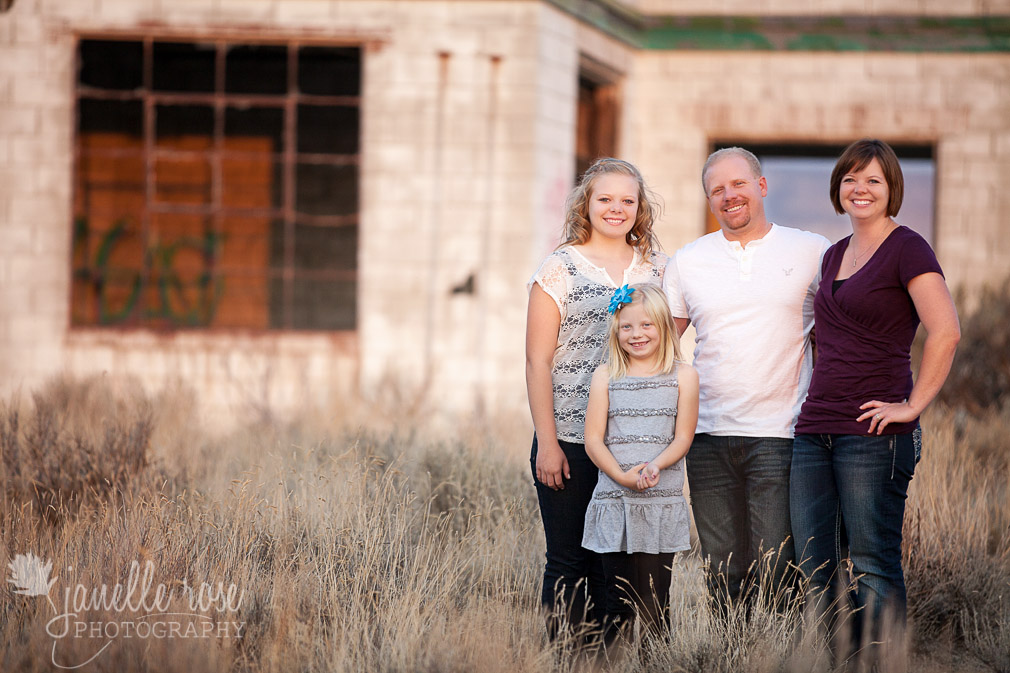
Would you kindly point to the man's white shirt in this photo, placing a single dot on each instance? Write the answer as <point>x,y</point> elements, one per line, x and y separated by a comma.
<point>753,310</point>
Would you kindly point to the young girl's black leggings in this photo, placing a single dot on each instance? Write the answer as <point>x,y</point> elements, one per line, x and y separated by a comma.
<point>636,582</point>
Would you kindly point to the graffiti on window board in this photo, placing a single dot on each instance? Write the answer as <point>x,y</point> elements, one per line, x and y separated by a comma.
<point>178,297</point>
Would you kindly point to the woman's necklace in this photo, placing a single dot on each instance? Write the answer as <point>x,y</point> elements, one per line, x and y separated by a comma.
<point>873,246</point>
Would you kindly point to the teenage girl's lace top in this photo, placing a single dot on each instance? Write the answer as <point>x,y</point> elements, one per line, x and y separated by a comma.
<point>582,293</point>
<point>642,417</point>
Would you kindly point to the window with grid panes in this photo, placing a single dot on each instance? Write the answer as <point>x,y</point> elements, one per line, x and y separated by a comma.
<point>216,185</point>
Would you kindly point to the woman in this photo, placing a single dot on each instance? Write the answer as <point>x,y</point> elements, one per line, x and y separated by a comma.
<point>858,437</point>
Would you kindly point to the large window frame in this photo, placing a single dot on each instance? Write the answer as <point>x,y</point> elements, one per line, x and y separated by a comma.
<point>301,284</point>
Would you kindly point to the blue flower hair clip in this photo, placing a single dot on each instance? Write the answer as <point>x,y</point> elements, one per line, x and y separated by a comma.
<point>622,296</point>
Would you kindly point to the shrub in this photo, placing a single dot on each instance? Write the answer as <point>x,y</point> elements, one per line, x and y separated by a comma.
<point>980,376</point>
<point>382,551</point>
<point>78,442</point>
<point>957,553</point>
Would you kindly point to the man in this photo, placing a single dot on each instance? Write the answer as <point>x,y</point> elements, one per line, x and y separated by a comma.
<point>749,290</point>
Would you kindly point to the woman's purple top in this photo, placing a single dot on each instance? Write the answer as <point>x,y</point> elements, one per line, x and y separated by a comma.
<point>864,332</point>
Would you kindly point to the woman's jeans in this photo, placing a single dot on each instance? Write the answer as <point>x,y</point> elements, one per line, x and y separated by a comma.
<point>573,576</point>
<point>849,491</point>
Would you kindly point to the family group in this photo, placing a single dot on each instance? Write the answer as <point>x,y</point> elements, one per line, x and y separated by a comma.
<point>794,431</point>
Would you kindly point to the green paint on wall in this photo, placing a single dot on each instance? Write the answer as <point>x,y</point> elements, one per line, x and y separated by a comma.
<point>795,33</point>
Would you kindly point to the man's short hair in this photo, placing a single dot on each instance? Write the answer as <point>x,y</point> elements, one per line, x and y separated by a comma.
<point>718,155</point>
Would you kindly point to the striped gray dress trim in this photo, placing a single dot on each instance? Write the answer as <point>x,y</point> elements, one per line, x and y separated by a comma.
<point>665,411</point>
<point>648,493</point>
<point>639,439</point>
<point>642,384</point>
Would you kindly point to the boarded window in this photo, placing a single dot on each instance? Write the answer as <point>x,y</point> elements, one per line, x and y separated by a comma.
<point>216,185</point>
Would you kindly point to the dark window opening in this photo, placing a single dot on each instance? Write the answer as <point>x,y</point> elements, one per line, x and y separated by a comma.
<point>216,185</point>
<point>111,65</point>
<point>183,67</point>
<point>260,69</point>
<point>799,176</point>
<point>597,118</point>
<point>329,71</point>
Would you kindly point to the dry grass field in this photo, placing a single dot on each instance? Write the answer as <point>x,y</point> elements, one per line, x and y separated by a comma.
<point>378,547</point>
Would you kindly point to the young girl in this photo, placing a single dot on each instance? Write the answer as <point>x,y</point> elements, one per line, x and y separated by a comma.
<point>643,408</point>
<point>607,242</point>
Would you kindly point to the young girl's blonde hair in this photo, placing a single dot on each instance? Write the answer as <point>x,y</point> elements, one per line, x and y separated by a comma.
<point>653,300</point>
<point>577,227</point>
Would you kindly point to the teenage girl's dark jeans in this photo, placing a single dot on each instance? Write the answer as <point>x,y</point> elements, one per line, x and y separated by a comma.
<point>573,576</point>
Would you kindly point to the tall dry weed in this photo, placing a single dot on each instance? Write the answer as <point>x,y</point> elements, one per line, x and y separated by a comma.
<point>359,547</point>
<point>353,553</point>
<point>957,550</point>
<point>77,442</point>
<point>980,377</point>
<point>988,635</point>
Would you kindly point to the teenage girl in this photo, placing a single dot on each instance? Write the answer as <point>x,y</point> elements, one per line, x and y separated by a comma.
<point>607,242</point>
<point>643,409</point>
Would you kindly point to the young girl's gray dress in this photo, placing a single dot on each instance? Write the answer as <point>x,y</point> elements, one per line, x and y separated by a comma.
<point>642,417</point>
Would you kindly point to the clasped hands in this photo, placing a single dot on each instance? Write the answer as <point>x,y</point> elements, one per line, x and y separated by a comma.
<point>640,477</point>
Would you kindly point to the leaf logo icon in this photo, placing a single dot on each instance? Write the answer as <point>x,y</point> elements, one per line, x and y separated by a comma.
<point>30,575</point>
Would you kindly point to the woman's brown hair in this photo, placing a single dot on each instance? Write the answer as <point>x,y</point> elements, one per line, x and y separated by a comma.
<point>856,157</point>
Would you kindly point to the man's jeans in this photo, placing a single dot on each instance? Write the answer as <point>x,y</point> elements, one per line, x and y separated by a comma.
<point>573,575</point>
<point>850,490</point>
<point>740,497</point>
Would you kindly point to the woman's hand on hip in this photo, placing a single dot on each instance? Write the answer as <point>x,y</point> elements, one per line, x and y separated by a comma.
<point>882,414</point>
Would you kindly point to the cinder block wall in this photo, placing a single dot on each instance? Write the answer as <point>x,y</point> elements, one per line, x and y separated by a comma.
<point>474,186</point>
<point>467,156</point>
<point>463,134</point>
<point>468,112</point>
<point>959,102</point>
<point>35,195</point>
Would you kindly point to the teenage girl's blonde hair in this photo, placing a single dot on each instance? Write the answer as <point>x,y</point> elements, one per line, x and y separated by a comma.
<point>577,227</point>
<point>653,300</point>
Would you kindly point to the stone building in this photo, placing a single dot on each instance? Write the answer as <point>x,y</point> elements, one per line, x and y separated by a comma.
<point>283,203</point>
